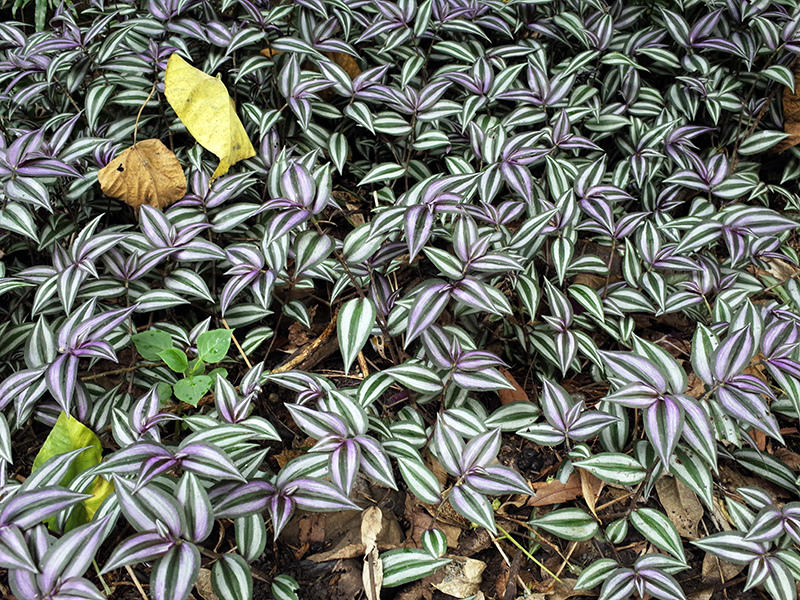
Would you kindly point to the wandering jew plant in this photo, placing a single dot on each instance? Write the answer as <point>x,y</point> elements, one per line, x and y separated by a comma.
<point>595,196</point>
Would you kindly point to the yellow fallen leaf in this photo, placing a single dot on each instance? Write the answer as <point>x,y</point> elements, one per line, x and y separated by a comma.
<point>146,173</point>
<point>202,103</point>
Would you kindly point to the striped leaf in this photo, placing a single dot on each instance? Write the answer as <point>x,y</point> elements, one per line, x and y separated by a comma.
<point>338,150</point>
<point>231,578</point>
<point>415,376</point>
<point>383,172</point>
<point>193,497</point>
<point>595,574</point>
<point>41,346</point>
<point>251,536</point>
<point>571,524</point>
<point>174,576</point>
<point>658,530</point>
<point>408,564</point>
<point>513,416</point>
<point>284,587</point>
<point>158,300</point>
<point>355,322</point>
<point>472,505</point>
<point>434,541</point>
<point>761,142</point>
<point>615,468</point>
<point>617,531</point>
<point>589,299</point>
<point>694,472</point>
<point>189,283</point>
<point>420,480</point>
<point>310,249</point>
<point>767,466</point>
<point>781,74</point>
<point>96,99</point>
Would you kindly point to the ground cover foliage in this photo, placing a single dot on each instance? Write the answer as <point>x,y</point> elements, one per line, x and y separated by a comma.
<point>477,248</point>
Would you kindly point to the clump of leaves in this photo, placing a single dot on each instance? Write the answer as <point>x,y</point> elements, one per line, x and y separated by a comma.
<point>584,189</point>
<point>212,346</point>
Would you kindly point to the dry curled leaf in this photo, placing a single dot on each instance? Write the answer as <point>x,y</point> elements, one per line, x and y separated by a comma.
<point>347,62</point>
<point>681,505</point>
<point>372,575</point>
<point>461,578</point>
<point>371,521</point>
<point>791,113</point>
<point>591,487</point>
<point>203,585</point>
<point>202,104</point>
<point>146,173</point>
<point>516,395</point>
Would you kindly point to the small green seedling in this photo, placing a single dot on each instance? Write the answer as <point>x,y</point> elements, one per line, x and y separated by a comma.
<point>212,346</point>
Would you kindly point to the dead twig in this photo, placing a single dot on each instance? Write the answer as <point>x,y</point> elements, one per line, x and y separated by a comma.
<point>136,582</point>
<point>306,351</point>
<point>236,342</point>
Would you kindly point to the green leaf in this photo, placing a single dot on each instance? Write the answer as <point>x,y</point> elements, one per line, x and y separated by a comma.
<point>196,367</point>
<point>191,389</point>
<point>212,346</point>
<point>164,391</point>
<point>175,359</point>
<point>218,372</point>
<point>149,343</point>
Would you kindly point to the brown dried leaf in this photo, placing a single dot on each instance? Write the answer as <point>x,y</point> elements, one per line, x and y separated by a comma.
<point>792,459</point>
<point>461,578</point>
<point>516,395</point>
<point>372,575</point>
<point>298,336</point>
<point>284,456</point>
<point>556,492</point>
<point>203,585</point>
<point>681,505</point>
<point>791,113</point>
<point>311,529</point>
<point>591,487</point>
<point>346,539</point>
<point>146,173</point>
<point>347,62</point>
<point>371,520</point>
<point>717,570</point>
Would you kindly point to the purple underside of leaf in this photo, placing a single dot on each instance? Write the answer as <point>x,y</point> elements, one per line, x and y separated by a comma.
<point>140,547</point>
<point>72,554</point>
<point>29,508</point>
<point>14,553</point>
